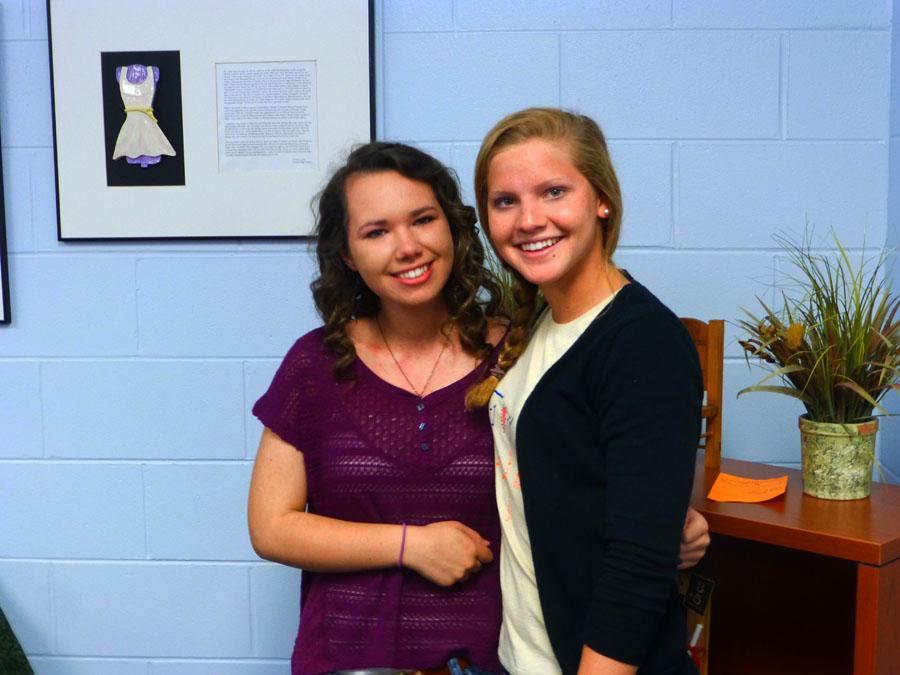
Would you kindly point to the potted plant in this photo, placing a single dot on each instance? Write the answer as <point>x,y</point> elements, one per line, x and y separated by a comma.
<point>835,345</point>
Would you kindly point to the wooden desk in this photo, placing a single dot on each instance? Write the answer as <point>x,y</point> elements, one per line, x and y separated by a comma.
<point>803,585</point>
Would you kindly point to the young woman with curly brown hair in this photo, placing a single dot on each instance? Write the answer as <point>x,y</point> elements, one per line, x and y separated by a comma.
<point>371,475</point>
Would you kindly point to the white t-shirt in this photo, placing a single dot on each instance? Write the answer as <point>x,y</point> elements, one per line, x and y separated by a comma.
<point>524,645</point>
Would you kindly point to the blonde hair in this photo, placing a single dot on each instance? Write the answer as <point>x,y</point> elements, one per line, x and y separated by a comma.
<point>590,156</point>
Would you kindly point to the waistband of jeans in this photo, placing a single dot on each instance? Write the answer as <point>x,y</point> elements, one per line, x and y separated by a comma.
<point>459,664</point>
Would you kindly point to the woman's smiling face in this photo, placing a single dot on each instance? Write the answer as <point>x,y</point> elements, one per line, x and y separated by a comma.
<point>544,215</point>
<point>398,238</point>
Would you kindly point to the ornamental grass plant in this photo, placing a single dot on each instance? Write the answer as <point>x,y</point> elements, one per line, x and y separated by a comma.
<point>835,342</point>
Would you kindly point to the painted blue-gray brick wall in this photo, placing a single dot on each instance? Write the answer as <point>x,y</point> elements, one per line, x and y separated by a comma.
<point>127,375</point>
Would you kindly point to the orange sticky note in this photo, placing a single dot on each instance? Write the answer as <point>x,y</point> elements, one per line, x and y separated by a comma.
<point>729,488</point>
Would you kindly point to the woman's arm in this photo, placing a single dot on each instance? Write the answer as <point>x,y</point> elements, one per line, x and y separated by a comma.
<point>282,530</point>
<point>593,663</point>
<point>694,542</point>
<point>653,424</point>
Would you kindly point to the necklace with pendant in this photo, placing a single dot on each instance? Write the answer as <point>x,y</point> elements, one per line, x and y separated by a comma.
<point>418,392</point>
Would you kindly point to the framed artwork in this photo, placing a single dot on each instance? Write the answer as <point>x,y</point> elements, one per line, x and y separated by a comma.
<point>4,260</point>
<point>196,120</point>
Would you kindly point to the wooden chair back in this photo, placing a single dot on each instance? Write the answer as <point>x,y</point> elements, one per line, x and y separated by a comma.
<point>709,339</point>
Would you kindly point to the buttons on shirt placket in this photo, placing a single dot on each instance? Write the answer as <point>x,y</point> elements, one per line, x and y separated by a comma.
<point>422,427</point>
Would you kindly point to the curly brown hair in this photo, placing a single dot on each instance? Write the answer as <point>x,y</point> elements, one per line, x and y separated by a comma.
<point>472,292</point>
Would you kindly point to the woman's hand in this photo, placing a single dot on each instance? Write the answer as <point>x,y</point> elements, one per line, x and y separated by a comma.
<point>445,553</point>
<point>694,539</point>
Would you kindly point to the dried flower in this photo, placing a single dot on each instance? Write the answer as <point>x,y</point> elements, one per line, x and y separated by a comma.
<point>793,336</point>
<point>755,350</point>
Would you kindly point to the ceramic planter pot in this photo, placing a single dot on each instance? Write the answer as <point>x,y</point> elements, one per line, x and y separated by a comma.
<point>837,458</point>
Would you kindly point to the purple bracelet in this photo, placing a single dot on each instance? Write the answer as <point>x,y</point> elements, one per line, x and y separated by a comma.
<point>402,546</point>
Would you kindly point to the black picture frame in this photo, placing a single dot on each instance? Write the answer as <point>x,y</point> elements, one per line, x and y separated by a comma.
<point>5,312</point>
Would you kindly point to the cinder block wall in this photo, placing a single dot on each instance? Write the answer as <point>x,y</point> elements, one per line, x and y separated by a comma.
<point>890,436</point>
<point>126,377</point>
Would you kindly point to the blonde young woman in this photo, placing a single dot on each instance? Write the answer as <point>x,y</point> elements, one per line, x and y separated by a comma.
<point>595,419</point>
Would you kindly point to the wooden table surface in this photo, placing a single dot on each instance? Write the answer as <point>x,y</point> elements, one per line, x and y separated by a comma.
<point>803,585</point>
<point>862,530</point>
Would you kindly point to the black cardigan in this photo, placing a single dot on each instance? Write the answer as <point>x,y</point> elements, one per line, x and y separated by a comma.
<point>606,445</point>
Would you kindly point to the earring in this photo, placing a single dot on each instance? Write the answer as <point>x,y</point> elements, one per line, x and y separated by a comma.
<point>605,211</point>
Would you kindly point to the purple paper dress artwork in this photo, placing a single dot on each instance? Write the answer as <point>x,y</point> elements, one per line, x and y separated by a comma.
<point>140,139</point>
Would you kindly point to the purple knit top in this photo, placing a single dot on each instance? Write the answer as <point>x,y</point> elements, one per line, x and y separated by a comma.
<point>378,454</point>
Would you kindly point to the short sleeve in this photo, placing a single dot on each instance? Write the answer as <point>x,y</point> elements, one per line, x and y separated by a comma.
<point>287,406</point>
